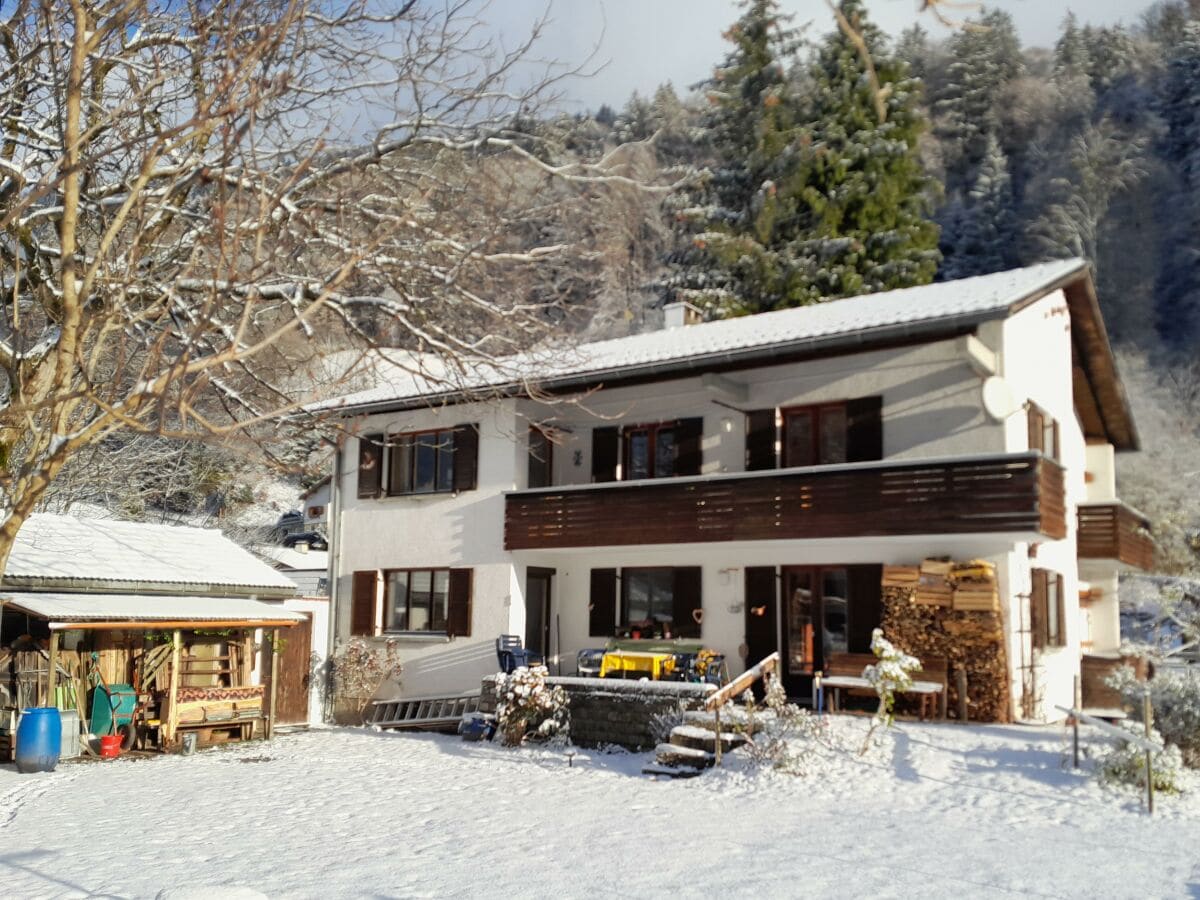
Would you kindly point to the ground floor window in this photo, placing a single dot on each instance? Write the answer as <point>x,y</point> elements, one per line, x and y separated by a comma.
<point>417,599</point>
<point>645,602</point>
<point>649,597</point>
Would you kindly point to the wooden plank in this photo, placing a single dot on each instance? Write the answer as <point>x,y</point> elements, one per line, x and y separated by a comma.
<point>172,723</point>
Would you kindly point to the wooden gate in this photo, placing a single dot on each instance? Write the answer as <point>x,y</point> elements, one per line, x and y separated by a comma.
<point>291,694</point>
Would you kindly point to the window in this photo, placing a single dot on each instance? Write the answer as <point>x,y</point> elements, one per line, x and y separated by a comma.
<point>417,599</point>
<point>815,435</point>
<point>1043,431</point>
<point>1047,612</point>
<point>421,463</point>
<point>650,451</point>
<point>649,596</point>
<point>541,458</point>
<point>654,602</point>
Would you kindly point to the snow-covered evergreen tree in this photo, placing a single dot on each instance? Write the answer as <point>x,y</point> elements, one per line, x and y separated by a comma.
<point>733,249</point>
<point>982,226</point>
<point>864,199</point>
<point>984,62</point>
<point>1179,282</point>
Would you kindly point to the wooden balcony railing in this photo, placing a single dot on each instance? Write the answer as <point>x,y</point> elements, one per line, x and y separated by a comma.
<point>975,495</point>
<point>1115,531</point>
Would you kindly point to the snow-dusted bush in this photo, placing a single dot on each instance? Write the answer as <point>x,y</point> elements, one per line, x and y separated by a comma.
<point>1125,764</point>
<point>891,674</point>
<point>789,737</point>
<point>359,667</point>
<point>529,708</point>
<point>1175,698</point>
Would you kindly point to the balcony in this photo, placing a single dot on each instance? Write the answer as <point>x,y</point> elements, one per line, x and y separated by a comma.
<point>1007,493</point>
<point>1117,532</point>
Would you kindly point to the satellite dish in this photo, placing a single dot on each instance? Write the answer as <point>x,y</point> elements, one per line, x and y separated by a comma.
<point>998,400</point>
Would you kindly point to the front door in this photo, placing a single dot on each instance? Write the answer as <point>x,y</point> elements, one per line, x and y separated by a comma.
<point>815,622</point>
<point>537,610</point>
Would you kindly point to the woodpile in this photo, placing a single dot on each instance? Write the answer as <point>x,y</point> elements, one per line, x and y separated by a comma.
<point>952,610</point>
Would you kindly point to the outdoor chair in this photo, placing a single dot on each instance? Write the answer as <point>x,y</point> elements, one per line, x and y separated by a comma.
<point>512,655</point>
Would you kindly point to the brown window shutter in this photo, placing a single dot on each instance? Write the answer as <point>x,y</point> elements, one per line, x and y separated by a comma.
<point>1034,424</point>
<point>864,429</point>
<point>686,602</point>
<point>760,440</point>
<point>602,603</point>
<point>458,603</point>
<point>541,457</point>
<point>364,598</point>
<point>1057,447</point>
<point>1062,614</point>
<point>864,605</point>
<point>606,448</point>
<point>1037,609</point>
<point>466,457</point>
<point>689,451</point>
<point>762,589</point>
<point>370,465</point>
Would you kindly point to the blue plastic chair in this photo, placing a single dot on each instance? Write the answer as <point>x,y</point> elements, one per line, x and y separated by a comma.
<point>512,655</point>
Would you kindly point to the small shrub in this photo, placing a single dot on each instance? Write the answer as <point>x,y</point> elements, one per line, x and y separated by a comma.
<point>1125,765</point>
<point>892,673</point>
<point>1175,699</point>
<point>359,667</point>
<point>530,709</point>
<point>787,740</point>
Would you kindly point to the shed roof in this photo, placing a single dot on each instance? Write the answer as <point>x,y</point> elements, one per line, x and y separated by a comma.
<point>106,554</point>
<point>66,609</point>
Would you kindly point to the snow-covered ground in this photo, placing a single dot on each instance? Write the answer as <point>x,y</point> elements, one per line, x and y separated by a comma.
<point>934,811</point>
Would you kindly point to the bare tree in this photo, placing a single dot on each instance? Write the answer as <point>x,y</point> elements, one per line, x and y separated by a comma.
<point>201,200</point>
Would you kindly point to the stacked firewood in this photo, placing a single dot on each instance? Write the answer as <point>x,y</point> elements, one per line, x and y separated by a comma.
<point>952,610</point>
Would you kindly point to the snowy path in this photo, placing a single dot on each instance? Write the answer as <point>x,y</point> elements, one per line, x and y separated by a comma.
<point>939,811</point>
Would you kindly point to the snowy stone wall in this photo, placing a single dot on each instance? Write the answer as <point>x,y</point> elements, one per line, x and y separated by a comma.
<point>625,713</point>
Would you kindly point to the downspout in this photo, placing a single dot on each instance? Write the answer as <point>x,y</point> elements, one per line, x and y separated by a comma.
<point>335,551</point>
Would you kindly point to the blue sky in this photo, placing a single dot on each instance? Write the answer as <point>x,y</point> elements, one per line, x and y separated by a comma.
<point>647,42</point>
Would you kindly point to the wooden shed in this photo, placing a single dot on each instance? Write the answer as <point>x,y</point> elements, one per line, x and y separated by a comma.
<point>181,623</point>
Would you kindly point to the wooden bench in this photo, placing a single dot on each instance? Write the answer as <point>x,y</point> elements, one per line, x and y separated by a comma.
<point>843,671</point>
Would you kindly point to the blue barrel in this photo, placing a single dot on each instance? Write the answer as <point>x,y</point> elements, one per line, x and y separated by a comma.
<point>39,740</point>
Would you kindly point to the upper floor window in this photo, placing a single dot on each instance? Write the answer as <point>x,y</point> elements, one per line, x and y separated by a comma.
<point>822,434</point>
<point>419,462</point>
<point>815,435</point>
<point>658,450</point>
<point>1043,431</point>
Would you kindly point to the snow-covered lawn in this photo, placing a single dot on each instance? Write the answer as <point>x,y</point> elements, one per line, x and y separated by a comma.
<point>935,811</point>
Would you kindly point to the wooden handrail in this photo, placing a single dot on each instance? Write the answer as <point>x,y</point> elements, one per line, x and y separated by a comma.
<point>743,681</point>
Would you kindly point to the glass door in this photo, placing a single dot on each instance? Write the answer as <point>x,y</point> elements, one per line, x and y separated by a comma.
<point>816,622</point>
<point>537,611</point>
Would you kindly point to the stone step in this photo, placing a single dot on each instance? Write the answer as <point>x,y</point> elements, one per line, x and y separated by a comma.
<point>705,739</point>
<point>676,756</point>
<point>731,720</point>
<point>660,771</point>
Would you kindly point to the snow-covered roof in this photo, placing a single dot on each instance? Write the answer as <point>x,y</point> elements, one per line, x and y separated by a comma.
<point>899,312</point>
<point>102,554</point>
<point>296,560</point>
<point>67,608</point>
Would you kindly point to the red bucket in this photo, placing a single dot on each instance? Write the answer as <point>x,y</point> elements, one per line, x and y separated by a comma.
<point>110,746</point>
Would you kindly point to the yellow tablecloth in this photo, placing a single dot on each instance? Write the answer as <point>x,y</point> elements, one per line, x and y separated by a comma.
<point>656,665</point>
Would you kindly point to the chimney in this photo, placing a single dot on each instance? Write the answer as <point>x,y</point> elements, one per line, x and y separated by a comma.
<point>680,313</point>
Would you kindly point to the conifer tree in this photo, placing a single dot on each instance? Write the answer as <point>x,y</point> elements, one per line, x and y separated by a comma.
<point>982,228</point>
<point>815,201</point>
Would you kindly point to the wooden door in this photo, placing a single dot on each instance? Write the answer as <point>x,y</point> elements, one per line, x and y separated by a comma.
<point>538,584</point>
<point>291,694</point>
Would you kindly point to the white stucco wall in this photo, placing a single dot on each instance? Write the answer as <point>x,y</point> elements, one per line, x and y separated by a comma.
<point>1036,363</point>
<point>931,406</point>
<point>435,531</point>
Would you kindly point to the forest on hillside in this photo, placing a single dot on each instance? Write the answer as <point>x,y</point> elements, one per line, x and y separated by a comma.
<point>1089,148</point>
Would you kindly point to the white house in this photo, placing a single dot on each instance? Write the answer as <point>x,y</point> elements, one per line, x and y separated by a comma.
<point>744,481</point>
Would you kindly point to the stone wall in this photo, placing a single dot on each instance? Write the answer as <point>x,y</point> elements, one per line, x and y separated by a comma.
<point>612,711</point>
